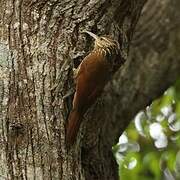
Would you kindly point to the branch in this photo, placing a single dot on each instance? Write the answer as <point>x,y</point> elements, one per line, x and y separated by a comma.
<point>153,66</point>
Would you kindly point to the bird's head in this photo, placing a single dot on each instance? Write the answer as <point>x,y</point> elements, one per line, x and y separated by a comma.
<point>104,43</point>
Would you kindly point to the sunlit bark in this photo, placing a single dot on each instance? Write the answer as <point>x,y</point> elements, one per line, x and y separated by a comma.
<point>44,41</point>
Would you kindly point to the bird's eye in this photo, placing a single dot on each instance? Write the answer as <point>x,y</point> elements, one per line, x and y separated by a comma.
<point>101,38</point>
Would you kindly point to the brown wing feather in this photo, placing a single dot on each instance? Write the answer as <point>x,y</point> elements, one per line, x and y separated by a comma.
<point>91,78</point>
<point>73,126</point>
<point>92,75</point>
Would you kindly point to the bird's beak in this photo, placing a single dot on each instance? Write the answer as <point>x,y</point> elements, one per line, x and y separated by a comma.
<point>91,34</point>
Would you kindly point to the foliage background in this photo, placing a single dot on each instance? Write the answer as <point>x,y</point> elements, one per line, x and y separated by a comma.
<point>150,147</point>
<point>45,38</point>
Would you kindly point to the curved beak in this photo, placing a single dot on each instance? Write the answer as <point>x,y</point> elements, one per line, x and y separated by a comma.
<point>91,34</point>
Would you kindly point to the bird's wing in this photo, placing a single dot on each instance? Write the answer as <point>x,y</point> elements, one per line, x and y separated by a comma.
<point>90,80</point>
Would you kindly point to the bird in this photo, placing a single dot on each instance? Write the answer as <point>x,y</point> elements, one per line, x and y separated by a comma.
<point>91,76</point>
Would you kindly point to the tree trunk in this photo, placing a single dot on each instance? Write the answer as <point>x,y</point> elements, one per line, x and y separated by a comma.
<point>41,42</point>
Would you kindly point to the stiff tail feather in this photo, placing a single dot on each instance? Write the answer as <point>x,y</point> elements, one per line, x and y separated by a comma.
<point>72,127</point>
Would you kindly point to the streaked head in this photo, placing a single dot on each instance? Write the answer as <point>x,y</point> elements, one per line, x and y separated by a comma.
<point>104,42</point>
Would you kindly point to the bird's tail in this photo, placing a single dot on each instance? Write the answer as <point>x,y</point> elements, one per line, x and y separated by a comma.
<point>72,127</point>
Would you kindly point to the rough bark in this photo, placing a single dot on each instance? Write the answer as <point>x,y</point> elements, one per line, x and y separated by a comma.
<point>44,41</point>
<point>153,66</point>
